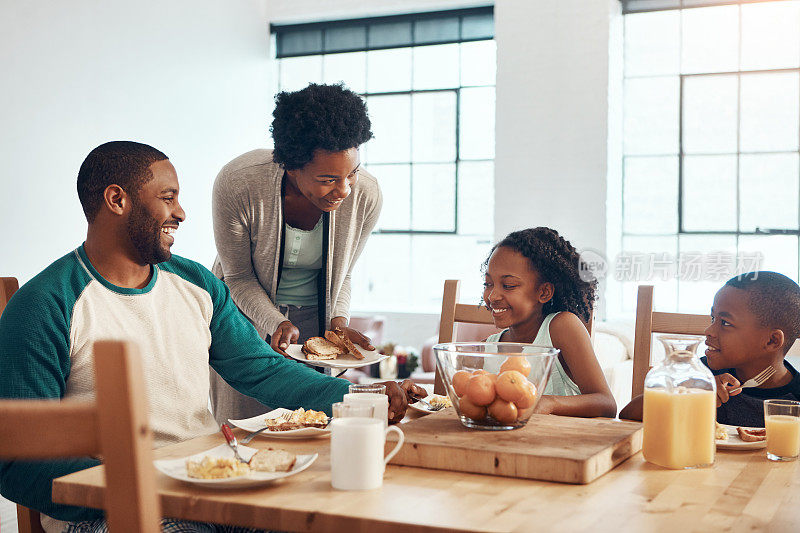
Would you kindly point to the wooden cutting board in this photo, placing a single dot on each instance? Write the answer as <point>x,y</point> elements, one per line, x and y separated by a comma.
<point>550,448</point>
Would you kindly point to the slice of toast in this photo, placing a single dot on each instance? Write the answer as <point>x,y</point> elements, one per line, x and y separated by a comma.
<point>752,434</point>
<point>317,348</point>
<point>350,348</point>
<point>272,460</point>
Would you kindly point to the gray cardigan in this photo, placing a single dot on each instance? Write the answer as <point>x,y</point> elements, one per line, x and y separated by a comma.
<point>248,227</point>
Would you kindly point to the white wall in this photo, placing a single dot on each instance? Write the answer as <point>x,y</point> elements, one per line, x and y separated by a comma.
<point>189,77</point>
<point>552,135</point>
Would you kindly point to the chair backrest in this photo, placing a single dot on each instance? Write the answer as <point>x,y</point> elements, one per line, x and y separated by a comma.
<point>649,322</point>
<point>454,312</point>
<point>115,426</point>
<point>8,286</point>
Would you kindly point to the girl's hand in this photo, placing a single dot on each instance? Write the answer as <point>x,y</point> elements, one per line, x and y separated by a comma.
<point>354,335</point>
<point>285,334</point>
<point>725,384</point>
<point>545,405</point>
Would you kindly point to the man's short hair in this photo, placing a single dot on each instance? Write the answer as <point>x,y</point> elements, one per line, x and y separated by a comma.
<point>123,163</point>
<point>774,299</point>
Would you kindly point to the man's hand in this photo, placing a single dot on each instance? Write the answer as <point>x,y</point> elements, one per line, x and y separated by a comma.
<point>398,397</point>
<point>356,336</point>
<point>545,406</point>
<point>285,334</point>
<point>725,384</point>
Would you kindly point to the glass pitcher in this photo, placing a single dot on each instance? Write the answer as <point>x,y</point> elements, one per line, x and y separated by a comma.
<point>679,411</point>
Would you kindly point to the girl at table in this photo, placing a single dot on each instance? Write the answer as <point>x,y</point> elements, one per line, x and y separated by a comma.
<point>535,290</point>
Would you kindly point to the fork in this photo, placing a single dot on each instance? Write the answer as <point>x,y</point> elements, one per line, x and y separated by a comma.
<point>284,417</point>
<point>230,438</point>
<point>762,376</point>
<point>424,402</point>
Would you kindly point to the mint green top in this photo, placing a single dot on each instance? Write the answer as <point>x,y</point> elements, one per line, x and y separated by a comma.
<point>559,384</point>
<point>302,263</point>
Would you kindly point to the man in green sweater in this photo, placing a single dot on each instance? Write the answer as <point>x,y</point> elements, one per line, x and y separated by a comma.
<point>124,283</point>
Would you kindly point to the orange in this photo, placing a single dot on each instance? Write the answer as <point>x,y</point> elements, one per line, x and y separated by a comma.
<point>480,390</point>
<point>491,376</point>
<point>518,363</point>
<point>511,386</point>
<point>528,398</point>
<point>470,410</point>
<point>503,411</point>
<point>460,380</point>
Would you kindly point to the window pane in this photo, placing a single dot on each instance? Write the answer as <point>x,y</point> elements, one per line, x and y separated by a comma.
<point>478,63</point>
<point>651,43</point>
<point>769,191</point>
<point>770,36</point>
<point>704,270</point>
<point>384,266</point>
<point>650,261</point>
<point>441,257</point>
<point>477,26</point>
<point>299,42</point>
<point>709,193</point>
<point>297,72</point>
<point>651,195</point>
<point>476,123</point>
<point>389,34</point>
<point>349,68</point>
<point>391,124</point>
<point>433,197</point>
<point>476,198</point>
<point>651,116</point>
<point>436,67</point>
<point>769,112</point>
<point>710,39</point>
<point>779,252</point>
<point>345,38</point>
<point>389,70</point>
<point>395,182</point>
<point>434,132</point>
<point>709,114</point>
<point>436,30</point>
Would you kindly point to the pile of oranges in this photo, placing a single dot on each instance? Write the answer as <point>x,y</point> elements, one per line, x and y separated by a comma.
<point>504,396</point>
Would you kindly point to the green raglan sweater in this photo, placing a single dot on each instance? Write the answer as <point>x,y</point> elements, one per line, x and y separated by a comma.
<point>183,321</point>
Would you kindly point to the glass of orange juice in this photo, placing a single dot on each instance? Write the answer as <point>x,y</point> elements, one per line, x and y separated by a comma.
<point>782,420</point>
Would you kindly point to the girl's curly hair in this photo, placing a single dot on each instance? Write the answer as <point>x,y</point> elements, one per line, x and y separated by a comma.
<point>326,117</point>
<point>557,262</point>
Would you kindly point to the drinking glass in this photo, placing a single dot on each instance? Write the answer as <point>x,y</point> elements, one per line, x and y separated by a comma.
<point>782,420</point>
<point>374,388</point>
<point>352,410</point>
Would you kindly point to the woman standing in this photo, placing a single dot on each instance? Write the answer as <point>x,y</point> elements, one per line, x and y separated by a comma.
<point>290,223</point>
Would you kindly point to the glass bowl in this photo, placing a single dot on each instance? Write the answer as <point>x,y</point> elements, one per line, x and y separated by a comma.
<point>494,385</point>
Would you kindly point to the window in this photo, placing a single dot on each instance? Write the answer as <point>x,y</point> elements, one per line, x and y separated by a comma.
<point>428,80</point>
<point>710,150</point>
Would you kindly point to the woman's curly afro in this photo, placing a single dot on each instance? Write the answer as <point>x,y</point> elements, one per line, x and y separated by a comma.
<point>326,117</point>
<point>556,261</point>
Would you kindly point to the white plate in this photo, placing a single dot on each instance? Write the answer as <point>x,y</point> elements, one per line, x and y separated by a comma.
<point>257,422</point>
<point>422,408</point>
<point>733,442</point>
<point>176,469</point>
<point>346,361</point>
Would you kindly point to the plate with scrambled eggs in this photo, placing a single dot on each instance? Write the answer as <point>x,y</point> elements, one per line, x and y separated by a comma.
<point>218,468</point>
<point>437,401</point>
<point>301,424</point>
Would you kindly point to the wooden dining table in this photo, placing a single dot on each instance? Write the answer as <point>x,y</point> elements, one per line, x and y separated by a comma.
<point>742,491</point>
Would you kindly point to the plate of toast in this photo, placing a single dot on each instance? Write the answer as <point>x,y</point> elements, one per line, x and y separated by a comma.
<point>287,424</point>
<point>217,467</point>
<point>740,438</point>
<point>334,350</point>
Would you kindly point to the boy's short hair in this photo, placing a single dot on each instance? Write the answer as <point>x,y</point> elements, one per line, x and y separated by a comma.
<point>774,299</point>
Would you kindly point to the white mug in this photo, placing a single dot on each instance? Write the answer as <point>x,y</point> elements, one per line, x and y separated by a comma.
<point>357,444</point>
<point>379,403</point>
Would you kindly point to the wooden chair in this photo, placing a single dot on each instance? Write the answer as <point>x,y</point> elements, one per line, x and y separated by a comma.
<point>649,322</point>
<point>8,286</point>
<point>454,312</point>
<point>115,426</point>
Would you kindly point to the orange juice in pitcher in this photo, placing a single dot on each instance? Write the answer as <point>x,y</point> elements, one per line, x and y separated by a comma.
<point>679,408</point>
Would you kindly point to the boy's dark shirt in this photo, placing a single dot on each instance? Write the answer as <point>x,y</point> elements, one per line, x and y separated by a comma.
<point>747,408</point>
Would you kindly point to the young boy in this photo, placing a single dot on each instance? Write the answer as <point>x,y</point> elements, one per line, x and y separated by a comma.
<point>754,321</point>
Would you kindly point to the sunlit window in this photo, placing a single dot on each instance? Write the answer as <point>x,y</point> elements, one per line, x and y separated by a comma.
<point>711,122</point>
<point>428,80</point>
